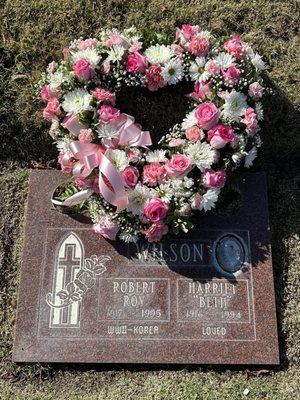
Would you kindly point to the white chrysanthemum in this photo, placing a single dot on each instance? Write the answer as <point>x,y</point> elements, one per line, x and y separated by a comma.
<point>197,72</point>
<point>236,158</point>
<point>201,154</point>
<point>107,131</point>
<point>118,158</point>
<point>259,111</point>
<point>116,53</point>
<point>63,143</point>
<point>189,120</point>
<point>77,101</point>
<point>234,106</point>
<point>205,34</point>
<point>165,192</point>
<point>90,54</point>
<point>250,157</point>
<point>248,50</point>
<point>173,72</point>
<point>224,60</point>
<point>156,156</point>
<point>56,80</point>
<point>128,237</point>
<point>258,62</point>
<point>209,199</point>
<point>137,199</point>
<point>158,54</point>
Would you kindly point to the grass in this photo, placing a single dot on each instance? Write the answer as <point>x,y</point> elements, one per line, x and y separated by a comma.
<point>32,33</point>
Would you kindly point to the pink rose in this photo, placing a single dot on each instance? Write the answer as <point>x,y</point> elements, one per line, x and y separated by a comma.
<point>235,46</point>
<point>156,231</point>
<point>201,91</point>
<point>215,179</point>
<point>130,176</point>
<point>83,70</point>
<point>231,75</point>
<point>72,124</point>
<point>156,210</point>
<point>199,46</point>
<point>194,133</point>
<point>87,44</point>
<point>154,78</point>
<point>85,136</point>
<point>154,173</point>
<point>47,93</point>
<point>104,96</point>
<point>66,161</point>
<point>212,67</point>
<point>136,63</point>
<point>255,91</point>
<point>108,113</point>
<point>207,115</point>
<point>52,109</point>
<point>250,121</point>
<point>179,166</point>
<point>220,135</point>
<point>106,227</point>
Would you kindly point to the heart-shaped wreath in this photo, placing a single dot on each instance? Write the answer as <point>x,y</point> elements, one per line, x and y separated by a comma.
<point>127,189</point>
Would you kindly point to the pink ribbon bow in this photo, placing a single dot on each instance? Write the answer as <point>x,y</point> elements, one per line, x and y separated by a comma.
<point>90,156</point>
<point>130,133</point>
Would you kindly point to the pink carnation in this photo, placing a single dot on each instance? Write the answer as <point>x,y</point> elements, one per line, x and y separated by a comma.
<point>47,93</point>
<point>232,75</point>
<point>255,91</point>
<point>196,202</point>
<point>134,154</point>
<point>154,173</point>
<point>194,133</point>
<point>108,113</point>
<point>179,166</point>
<point>250,121</point>
<point>107,228</point>
<point>104,96</point>
<point>116,39</point>
<point>52,109</point>
<point>199,46</point>
<point>136,63</point>
<point>176,142</point>
<point>220,135</point>
<point>85,136</point>
<point>130,177</point>
<point>66,53</point>
<point>87,44</point>
<point>105,67</point>
<point>83,70</point>
<point>186,32</point>
<point>156,231</point>
<point>207,115</point>
<point>135,47</point>
<point>72,124</point>
<point>154,78</point>
<point>213,179</point>
<point>212,67</point>
<point>156,210</point>
<point>66,161</point>
<point>235,46</point>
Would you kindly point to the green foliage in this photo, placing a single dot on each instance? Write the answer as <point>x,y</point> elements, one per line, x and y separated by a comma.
<point>32,33</point>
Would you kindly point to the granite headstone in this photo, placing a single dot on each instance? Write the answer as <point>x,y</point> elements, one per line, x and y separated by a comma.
<point>202,298</point>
